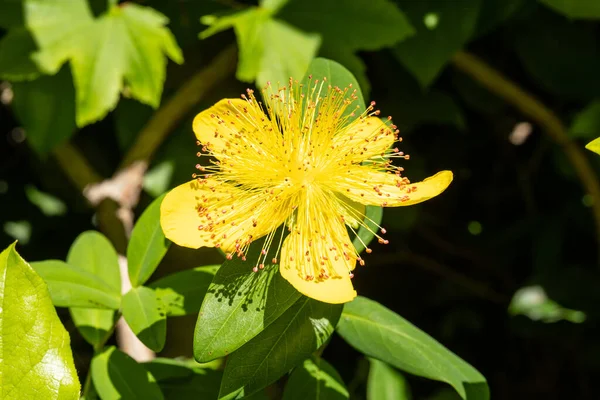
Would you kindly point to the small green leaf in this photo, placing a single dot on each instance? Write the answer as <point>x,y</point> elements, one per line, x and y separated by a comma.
<point>587,123</point>
<point>73,287</point>
<point>443,27</point>
<point>238,305</point>
<point>533,302</point>
<point>269,49</point>
<point>46,109</point>
<point>293,337</point>
<point>181,380</point>
<point>147,245</point>
<point>378,332</point>
<point>117,376</point>
<point>145,314</point>
<point>49,205</point>
<point>315,379</point>
<point>16,48</point>
<point>594,146</point>
<point>127,43</point>
<point>366,233</point>
<point>385,383</point>
<point>182,293</point>
<point>576,9</point>
<point>93,253</point>
<point>35,355</point>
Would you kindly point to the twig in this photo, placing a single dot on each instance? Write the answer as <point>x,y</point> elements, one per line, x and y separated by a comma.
<point>166,118</point>
<point>500,85</point>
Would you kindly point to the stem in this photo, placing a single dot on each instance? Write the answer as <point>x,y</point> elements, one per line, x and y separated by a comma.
<point>504,88</point>
<point>177,107</point>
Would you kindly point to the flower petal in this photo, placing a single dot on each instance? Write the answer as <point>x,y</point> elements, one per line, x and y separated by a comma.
<point>370,187</point>
<point>317,255</point>
<point>216,214</point>
<point>365,138</point>
<point>217,126</point>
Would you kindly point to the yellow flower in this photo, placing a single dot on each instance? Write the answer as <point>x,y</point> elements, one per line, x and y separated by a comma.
<point>300,159</point>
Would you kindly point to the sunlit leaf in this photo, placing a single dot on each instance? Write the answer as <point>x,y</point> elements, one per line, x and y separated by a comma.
<point>594,146</point>
<point>35,354</point>
<point>300,331</point>
<point>385,383</point>
<point>380,333</point>
<point>147,245</point>
<point>48,204</point>
<point>145,314</point>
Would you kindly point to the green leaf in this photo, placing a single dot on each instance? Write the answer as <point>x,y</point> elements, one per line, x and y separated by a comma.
<point>118,376</point>
<point>351,25</point>
<point>46,109</point>
<point>385,383</point>
<point>576,9</point>
<point>293,337</point>
<point>337,75</point>
<point>93,253</point>
<point>269,49</point>
<point>547,36</point>
<point>49,205</point>
<point>273,5</point>
<point>36,359</point>
<point>315,379</point>
<point>180,380</point>
<point>443,27</point>
<point>378,332</point>
<point>594,146</point>
<point>145,314</point>
<point>182,293</point>
<point>587,123</point>
<point>147,245</point>
<point>16,48</point>
<point>366,234</point>
<point>287,53</point>
<point>73,287</point>
<point>533,302</point>
<point>128,43</point>
<point>238,305</point>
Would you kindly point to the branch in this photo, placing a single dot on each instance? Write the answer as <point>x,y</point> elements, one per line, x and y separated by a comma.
<point>531,107</point>
<point>168,116</point>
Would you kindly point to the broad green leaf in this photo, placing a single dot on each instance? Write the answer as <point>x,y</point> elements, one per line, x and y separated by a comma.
<point>366,233</point>
<point>35,355</point>
<point>378,332</point>
<point>287,53</point>
<point>547,36</point>
<point>269,49</point>
<point>587,123</point>
<point>594,146</point>
<point>182,293</point>
<point>443,27</point>
<point>128,43</point>
<point>315,379</point>
<point>147,245</point>
<point>576,9</point>
<point>293,337</point>
<point>93,253</point>
<point>16,48</point>
<point>145,314</point>
<point>46,109</point>
<point>74,287</point>
<point>49,205</point>
<point>181,380</point>
<point>385,383</point>
<point>350,25</point>
<point>238,305</point>
<point>337,75</point>
<point>118,376</point>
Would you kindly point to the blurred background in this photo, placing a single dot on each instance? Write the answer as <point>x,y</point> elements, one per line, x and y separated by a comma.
<point>503,268</point>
